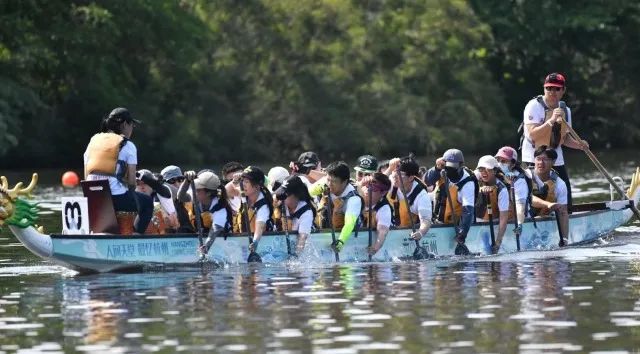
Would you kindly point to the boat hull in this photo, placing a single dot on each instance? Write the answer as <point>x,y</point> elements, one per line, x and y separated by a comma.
<point>105,253</point>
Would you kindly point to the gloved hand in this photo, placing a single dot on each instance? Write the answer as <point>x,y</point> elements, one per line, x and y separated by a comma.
<point>337,246</point>
<point>190,175</point>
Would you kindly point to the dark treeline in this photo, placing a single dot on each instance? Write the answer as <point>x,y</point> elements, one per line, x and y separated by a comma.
<point>264,80</point>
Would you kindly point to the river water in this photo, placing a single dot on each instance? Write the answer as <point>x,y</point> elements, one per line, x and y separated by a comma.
<point>580,299</point>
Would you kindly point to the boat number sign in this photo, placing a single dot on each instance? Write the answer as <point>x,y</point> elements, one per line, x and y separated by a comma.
<point>75,216</point>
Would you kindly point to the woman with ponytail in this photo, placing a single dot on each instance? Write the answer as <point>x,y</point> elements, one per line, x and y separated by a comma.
<point>419,211</point>
<point>300,212</point>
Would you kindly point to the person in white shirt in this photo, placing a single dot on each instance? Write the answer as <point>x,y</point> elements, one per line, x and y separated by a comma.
<point>544,120</point>
<point>494,193</point>
<point>549,190</point>
<point>111,155</point>
<point>375,189</point>
<point>299,209</point>
<point>519,180</point>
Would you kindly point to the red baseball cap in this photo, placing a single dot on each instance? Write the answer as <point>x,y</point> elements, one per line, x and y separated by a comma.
<point>554,79</point>
<point>508,153</point>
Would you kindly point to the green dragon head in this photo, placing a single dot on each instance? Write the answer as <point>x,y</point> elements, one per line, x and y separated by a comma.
<point>16,211</point>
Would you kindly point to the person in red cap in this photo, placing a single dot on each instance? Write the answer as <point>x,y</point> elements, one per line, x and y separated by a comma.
<point>545,122</point>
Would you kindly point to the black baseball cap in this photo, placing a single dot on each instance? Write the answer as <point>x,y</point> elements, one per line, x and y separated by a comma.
<point>367,164</point>
<point>122,114</point>
<point>308,159</point>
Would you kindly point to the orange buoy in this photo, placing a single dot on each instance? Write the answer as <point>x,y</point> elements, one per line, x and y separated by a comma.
<point>70,179</point>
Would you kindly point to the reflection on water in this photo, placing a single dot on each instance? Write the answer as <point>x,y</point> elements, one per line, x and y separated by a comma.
<point>496,305</point>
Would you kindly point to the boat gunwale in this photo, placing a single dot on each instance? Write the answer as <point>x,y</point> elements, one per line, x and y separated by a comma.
<point>280,233</point>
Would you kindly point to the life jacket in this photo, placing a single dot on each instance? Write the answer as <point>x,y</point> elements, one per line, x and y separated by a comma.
<point>374,219</point>
<point>552,138</point>
<point>102,155</point>
<point>403,216</point>
<point>482,201</point>
<point>547,192</point>
<point>157,224</point>
<point>444,208</point>
<point>251,212</point>
<point>296,215</point>
<point>339,208</point>
<point>207,217</point>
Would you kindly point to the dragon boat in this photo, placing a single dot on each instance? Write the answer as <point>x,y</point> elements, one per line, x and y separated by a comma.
<point>93,252</point>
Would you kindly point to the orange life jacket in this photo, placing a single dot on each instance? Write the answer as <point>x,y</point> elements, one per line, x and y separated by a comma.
<point>374,219</point>
<point>445,209</point>
<point>482,202</point>
<point>404,217</point>
<point>547,192</point>
<point>102,154</point>
<point>251,212</point>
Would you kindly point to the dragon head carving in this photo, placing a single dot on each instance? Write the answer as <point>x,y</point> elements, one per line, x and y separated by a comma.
<point>14,210</point>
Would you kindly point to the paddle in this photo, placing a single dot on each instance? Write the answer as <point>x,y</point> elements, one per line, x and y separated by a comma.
<point>420,252</point>
<point>253,255</point>
<point>461,248</point>
<point>285,226</point>
<point>602,170</point>
<point>517,229</point>
<point>370,221</point>
<point>491,230</point>
<point>197,216</point>
<point>330,221</point>
<point>557,217</point>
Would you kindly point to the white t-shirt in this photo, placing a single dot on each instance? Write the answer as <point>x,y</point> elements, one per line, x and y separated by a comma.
<point>467,195</point>
<point>383,216</point>
<point>354,205</point>
<point>262,215</point>
<point>128,154</point>
<point>305,222</point>
<point>521,190</point>
<point>561,188</point>
<point>422,204</point>
<point>534,114</point>
<point>167,204</point>
<point>503,199</point>
<point>220,216</point>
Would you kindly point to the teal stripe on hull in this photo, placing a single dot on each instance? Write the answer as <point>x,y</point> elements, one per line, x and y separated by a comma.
<point>107,253</point>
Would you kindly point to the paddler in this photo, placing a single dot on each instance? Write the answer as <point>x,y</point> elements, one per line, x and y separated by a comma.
<point>493,192</point>
<point>308,167</point>
<point>375,188</point>
<point>519,179</point>
<point>543,125</point>
<point>213,202</point>
<point>455,197</point>
<point>549,190</point>
<point>300,211</point>
<point>258,203</point>
<point>173,178</point>
<point>406,178</point>
<point>346,204</point>
<point>164,213</point>
<point>113,156</point>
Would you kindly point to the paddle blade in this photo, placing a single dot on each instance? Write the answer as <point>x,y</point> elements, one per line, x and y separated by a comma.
<point>462,250</point>
<point>254,257</point>
<point>421,253</point>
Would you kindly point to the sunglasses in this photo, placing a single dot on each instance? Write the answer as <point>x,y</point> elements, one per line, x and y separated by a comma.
<point>174,180</point>
<point>553,88</point>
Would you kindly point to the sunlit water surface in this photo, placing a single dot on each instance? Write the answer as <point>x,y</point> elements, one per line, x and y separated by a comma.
<point>584,299</point>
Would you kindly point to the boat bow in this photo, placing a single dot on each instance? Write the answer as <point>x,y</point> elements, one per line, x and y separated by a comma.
<point>39,244</point>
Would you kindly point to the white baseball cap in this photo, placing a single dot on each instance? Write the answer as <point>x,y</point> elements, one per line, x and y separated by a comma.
<point>487,161</point>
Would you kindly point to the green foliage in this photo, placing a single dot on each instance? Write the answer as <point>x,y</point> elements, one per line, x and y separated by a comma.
<point>266,79</point>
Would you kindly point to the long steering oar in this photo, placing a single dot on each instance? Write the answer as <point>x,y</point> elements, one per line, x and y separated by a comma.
<point>285,226</point>
<point>330,221</point>
<point>491,230</point>
<point>197,216</point>
<point>602,170</point>
<point>420,252</point>
<point>253,255</point>
<point>517,229</point>
<point>370,222</point>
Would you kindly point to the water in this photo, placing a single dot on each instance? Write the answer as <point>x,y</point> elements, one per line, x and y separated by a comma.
<point>583,299</point>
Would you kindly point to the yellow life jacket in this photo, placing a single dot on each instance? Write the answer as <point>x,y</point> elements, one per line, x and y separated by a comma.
<point>156,225</point>
<point>296,215</point>
<point>404,217</point>
<point>446,214</point>
<point>102,154</point>
<point>547,193</point>
<point>207,216</point>
<point>251,212</point>
<point>482,210</point>
<point>374,219</point>
<point>551,136</point>
<point>339,207</point>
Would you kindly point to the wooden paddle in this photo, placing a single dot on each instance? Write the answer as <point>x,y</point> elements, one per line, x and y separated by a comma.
<point>601,168</point>
<point>491,230</point>
<point>197,216</point>
<point>517,229</point>
<point>330,221</point>
<point>461,247</point>
<point>420,252</point>
<point>253,255</point>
